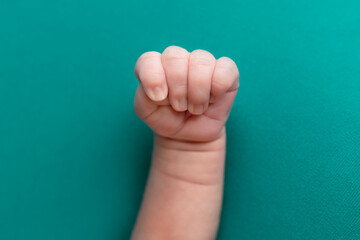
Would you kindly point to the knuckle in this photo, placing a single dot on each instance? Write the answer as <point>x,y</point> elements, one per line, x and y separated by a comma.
<point>173,58</point>
<point>148,55</point>
<point>201,61</point>
<point>174,55</point>
<point>202,58</point>
<point>228,65</point>
<point>143,61</point>
<point>175,52</point>
<point>226,59</point>
<point>202,52</point>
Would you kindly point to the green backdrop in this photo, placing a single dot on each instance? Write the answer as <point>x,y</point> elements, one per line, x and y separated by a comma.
<point>74,157</point>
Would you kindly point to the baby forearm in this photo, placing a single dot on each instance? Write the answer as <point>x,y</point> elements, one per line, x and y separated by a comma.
<point>184,190</point>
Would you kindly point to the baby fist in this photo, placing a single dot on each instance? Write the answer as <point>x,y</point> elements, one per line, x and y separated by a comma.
<point>185,96</point>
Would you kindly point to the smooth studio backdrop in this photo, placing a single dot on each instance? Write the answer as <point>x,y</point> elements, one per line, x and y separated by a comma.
<point>74,157</point>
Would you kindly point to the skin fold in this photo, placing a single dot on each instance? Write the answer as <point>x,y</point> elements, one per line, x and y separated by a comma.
<point>185,98</point>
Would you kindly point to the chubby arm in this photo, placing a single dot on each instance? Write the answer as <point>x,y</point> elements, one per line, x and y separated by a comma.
<point>184,191</point>
<point>185,98</point>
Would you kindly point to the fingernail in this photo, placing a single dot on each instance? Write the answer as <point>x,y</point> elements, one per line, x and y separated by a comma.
<point>182,104</point>
<point>196,109</point>
<point>157,94</point>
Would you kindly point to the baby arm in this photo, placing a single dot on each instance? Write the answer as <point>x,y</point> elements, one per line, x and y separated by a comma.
<point>185,98</point>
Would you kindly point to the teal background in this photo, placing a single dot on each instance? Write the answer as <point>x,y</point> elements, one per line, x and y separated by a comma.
<point>74,157</point>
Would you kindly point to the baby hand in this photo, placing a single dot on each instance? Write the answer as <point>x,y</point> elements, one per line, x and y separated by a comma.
<point>185,96</point>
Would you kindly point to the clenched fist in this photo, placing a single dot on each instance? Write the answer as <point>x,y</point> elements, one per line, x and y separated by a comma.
<point>185,96</point>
